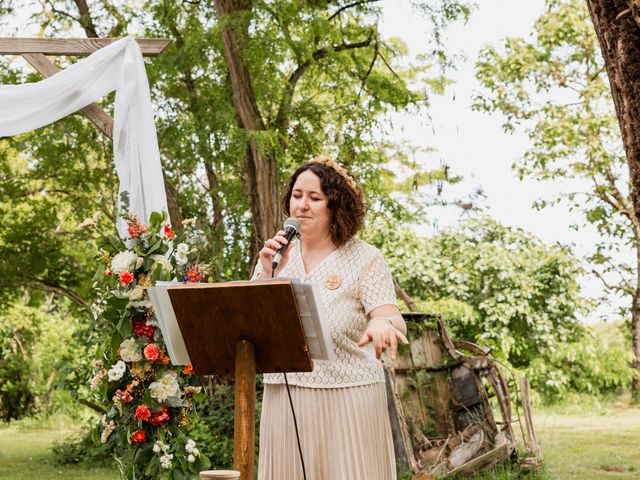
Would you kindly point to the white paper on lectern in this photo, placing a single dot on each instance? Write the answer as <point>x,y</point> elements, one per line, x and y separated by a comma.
<point>314,324</point>
<point>168,324</point>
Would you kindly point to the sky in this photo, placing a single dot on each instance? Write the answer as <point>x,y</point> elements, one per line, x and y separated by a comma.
<point>474,144</point>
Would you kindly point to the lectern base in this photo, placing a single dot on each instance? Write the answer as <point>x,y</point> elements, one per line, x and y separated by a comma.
<point>245,410</point>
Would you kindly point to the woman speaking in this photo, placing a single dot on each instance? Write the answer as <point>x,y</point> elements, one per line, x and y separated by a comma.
<point>341,406</point>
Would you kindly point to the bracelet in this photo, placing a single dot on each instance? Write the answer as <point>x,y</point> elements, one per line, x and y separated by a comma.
<point>383,318</point>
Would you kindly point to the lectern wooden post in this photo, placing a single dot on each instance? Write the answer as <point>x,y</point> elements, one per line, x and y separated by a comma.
<point>243,328</point>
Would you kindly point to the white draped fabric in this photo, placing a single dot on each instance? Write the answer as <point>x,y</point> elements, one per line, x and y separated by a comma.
<point>119,67</point>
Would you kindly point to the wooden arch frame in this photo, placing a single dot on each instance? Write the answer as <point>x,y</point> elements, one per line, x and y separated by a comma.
<point>36,52</point>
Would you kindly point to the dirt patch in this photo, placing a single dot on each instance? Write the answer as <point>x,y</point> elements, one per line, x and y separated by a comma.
<point>613,468</point>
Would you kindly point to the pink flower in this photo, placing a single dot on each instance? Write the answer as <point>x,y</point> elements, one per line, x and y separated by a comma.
<point>151,352</point>
<point>143,413</point>
<point>123,395</point>
<point>126,278</point>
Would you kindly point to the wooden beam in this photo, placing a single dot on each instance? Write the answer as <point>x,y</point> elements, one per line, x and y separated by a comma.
<point>79,47</point>
<point>92,111</point>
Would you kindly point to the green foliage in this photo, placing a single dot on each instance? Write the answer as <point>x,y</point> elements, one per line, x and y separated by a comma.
<point>30,368</point>
<point>503,288</point>
<point>588,365</point>
<point>497,285</point>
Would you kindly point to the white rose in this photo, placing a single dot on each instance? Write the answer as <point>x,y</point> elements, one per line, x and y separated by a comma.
<point>166,387</point>
<point>191,459</point>
<point>183,248</point>
<point>163,262</point>
<point>123,261</point>
<point>117,371</point>
<point>136,293</point>
<point>181,258</point>
<point>130,351</point>
<point>139,262</point>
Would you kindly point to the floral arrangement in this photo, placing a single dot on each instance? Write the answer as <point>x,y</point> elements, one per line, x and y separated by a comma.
<point>149,400</point>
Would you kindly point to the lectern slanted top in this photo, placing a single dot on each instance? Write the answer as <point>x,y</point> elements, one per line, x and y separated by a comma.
<point>214,318</point>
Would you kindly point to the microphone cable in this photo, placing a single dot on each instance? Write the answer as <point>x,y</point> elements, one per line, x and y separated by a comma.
<point>293,412</point>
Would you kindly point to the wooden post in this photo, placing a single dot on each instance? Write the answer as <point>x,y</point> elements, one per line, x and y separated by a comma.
<point>530,440</point>
<point>245,410</point>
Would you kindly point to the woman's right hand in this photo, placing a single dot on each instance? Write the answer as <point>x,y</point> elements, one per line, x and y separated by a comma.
<point>269,251</point>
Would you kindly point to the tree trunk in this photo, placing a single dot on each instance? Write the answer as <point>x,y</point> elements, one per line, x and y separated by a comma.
<point>260,165</point>
<point>635,332</point>
<point>618,31</point>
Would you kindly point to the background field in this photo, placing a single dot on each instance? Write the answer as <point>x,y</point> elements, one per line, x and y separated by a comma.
<point>582,441</point>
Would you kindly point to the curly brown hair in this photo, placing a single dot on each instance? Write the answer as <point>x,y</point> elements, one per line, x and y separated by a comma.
<point>344,199</point>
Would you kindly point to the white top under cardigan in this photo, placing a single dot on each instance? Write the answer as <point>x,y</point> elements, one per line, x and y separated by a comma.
<point>364,283</point>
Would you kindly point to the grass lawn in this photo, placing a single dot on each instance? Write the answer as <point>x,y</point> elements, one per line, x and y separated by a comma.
<point>584,442</point>
<point>591,445</point>
<point>25,454</point>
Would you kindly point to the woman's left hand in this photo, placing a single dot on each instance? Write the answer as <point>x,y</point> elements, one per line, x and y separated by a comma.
<point>383,335</point>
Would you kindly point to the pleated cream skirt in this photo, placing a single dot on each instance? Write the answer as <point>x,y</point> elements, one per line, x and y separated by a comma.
<point>344,432</point>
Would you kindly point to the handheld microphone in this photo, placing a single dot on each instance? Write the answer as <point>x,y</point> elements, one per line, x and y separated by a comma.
<point>291,229</point>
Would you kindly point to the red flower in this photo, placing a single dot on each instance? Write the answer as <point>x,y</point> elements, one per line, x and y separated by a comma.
<point>126,278</point>
<point>138,437</point>
<point>143,413</point>
<point>141,328</point>
<point>108,272</point>
<point>188,369</point>
<point>151,352</point>
<point>158,418</point>
<point>168,233</point>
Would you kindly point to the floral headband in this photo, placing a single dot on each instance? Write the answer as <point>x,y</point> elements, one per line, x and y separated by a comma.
<point>338,169</point>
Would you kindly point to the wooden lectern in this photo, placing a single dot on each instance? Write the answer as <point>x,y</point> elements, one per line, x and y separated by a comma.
<point>243,328</point>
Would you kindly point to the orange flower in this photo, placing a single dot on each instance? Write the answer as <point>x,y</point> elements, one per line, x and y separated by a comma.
<point>168,233</point>
<point>163,359</point>
<point>133,230</point>
<point>138,436</point>
<point>188,369</point>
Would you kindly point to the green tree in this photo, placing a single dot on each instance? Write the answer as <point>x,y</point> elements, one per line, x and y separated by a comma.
<point>504,288</point>
<point>555,88</point>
